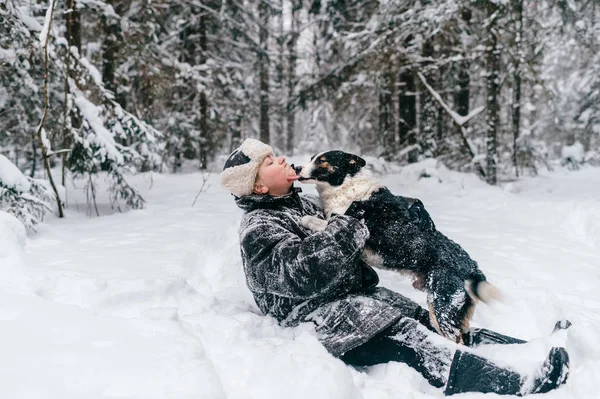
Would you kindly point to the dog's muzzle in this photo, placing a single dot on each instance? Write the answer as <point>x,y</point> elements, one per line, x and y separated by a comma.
<point>298,170</point>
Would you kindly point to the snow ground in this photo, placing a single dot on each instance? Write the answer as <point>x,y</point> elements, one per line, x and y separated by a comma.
<point>153,303</point>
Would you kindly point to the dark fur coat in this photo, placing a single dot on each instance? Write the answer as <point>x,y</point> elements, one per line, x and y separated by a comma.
<point>299,276</point>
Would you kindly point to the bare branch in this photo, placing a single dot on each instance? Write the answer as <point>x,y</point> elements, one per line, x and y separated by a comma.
<point>459,120</point>
<point>203,187</point>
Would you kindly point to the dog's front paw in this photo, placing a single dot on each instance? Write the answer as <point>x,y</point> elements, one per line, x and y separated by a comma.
<point>314,223</point>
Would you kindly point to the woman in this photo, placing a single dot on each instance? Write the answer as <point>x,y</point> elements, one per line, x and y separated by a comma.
<point>297,275</point>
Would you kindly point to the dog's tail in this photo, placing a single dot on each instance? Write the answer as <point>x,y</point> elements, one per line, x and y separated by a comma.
<point>481,290</point>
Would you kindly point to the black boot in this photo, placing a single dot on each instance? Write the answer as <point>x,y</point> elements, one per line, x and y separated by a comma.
<point>472,373</point>
<point>554,372</point>
<point>562,325</point>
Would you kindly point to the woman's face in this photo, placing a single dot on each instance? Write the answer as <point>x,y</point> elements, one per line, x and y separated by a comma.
<point>275,177</point>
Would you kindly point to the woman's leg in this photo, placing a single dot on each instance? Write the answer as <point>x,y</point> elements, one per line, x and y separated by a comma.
<point>443,364</point>
<point>407,341</point>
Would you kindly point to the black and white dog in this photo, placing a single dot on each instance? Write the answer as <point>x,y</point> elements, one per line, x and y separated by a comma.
<point>402,238</point>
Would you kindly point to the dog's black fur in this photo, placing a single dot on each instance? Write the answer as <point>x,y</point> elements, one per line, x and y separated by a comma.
<point>404,238</point>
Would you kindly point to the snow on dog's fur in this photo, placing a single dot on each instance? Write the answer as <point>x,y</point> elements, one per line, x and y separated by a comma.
<point>403,238</point>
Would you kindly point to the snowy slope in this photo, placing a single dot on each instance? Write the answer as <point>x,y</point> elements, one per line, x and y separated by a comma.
<point>153,304</point>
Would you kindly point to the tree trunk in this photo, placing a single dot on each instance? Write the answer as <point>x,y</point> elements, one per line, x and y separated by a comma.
<point>73,25</point>
<point>292,58</point>
<point>462,95</point>
<point>205,137</point>
<point>493,67</point>
<point>72,120</point>
<point>235,128</point>
<point>387,131</point>
<point>407,112</point>
<point>427,109</point>
<point>588,133</point>
<point>281,87</point>
<point>516,106</point>
<point>263,68</point>
<point>236,134</point>
<point>463,82</point>
<point>440,112</point>
<point>110,49</point>
<point>40,131</point>
<point>290,109</point>
<point>195,47</point>
<point>33,155</point>
<point>394,105</point>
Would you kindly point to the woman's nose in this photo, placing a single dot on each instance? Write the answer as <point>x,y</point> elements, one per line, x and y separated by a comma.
<point>281,160</point>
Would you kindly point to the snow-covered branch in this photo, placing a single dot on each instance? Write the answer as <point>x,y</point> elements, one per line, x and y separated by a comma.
<point>458,119</point>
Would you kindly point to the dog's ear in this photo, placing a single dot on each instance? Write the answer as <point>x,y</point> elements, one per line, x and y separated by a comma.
<point>356,162</point>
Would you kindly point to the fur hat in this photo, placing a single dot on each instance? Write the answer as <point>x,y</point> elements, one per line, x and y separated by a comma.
<point>241,168</point>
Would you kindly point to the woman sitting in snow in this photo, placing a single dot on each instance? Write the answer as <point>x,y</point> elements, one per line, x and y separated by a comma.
<point>297,275</point>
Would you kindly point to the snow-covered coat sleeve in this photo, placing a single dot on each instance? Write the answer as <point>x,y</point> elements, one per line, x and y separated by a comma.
<point>287,265</point>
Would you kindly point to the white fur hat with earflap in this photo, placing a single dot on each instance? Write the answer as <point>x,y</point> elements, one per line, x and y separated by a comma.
<point>241,168</point>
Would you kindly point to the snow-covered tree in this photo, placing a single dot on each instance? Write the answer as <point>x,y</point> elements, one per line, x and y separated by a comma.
<point>147,85</point>
<point>26,198</point>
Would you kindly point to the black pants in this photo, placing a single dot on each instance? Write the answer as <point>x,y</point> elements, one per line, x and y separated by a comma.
<point>420,347</point>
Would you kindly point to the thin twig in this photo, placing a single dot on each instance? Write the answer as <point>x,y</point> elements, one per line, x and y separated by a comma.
<point>205,177</point>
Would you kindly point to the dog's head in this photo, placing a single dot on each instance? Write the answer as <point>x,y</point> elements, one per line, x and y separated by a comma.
<point>330,167</point>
